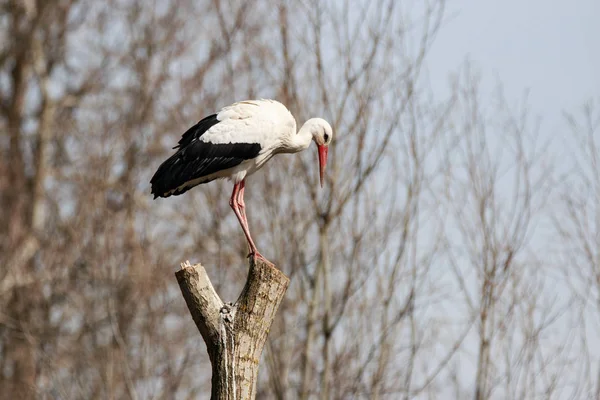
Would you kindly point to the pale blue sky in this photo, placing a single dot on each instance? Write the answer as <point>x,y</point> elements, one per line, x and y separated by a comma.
<point>550,47</point>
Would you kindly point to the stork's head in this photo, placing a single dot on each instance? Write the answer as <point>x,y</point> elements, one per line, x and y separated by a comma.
<point>322,135</point>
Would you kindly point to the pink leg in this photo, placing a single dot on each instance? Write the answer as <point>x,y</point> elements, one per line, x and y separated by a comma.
<point>242,205</point>
<point>237,204</point>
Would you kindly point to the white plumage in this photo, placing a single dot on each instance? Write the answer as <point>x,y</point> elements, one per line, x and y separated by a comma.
<point>235,143</point>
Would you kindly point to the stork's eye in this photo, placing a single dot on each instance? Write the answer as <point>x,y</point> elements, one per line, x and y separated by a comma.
<point>326,137</point>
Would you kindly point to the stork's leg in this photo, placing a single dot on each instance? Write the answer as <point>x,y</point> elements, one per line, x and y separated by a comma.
<point>242,205</point>
<point>237,204</point>
<point>242,208</point>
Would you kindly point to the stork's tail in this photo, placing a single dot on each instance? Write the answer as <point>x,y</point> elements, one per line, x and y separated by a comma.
<point>166,178</point>
<point>175,176</point>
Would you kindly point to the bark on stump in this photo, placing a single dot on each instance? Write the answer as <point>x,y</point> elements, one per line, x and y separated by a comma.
<point>234,333</point>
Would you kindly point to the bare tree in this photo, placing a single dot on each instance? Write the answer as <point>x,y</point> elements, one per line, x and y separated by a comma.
<point>577,224</point>
<point>90,94</point>
<point>501,182</point>
<point>355,221</point>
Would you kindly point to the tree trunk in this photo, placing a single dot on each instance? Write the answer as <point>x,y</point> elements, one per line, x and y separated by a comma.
<point>234,333</point>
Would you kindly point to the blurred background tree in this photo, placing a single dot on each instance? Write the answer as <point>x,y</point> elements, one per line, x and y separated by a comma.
<point>426,267</point>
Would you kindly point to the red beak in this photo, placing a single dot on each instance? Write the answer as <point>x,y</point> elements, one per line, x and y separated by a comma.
<point>322,161</point>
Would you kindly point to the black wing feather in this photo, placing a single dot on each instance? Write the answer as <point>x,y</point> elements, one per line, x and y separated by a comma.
<point>197,130</point>
<point>195,159</point>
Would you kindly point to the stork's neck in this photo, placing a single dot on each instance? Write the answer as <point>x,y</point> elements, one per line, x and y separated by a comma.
<point>301,140</point>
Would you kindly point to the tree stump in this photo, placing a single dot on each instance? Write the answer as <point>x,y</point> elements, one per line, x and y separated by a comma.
<point>235,334</point>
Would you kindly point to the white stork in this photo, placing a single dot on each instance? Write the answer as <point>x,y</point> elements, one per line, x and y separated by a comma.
<point>235,143</point>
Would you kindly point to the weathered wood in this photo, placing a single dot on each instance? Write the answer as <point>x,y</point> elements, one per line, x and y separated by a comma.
<point>234,334</point>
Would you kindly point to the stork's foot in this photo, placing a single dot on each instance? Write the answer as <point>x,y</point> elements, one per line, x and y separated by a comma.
<point>256,255</point>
